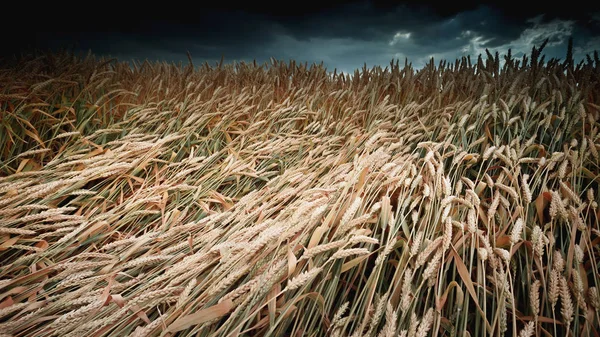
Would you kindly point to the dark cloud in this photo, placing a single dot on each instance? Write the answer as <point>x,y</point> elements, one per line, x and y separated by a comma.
<point>344,35</point>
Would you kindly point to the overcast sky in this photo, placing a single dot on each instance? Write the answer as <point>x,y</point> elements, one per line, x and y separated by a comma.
<point>343,35</point>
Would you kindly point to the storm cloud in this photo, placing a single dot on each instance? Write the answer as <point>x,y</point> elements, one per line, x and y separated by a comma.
<point>341,35</point>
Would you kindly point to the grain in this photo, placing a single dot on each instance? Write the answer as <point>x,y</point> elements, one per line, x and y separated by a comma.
<point>528,330</point>
<point>302,279</point>
<point>205,186</point>
<point>567,310</point>
<point>425,324</point>
<point>534,298</point>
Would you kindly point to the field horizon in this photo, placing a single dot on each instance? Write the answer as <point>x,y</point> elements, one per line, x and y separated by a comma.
<point>284,199</point>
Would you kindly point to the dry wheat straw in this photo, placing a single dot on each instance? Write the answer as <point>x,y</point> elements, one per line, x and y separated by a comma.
<point>202,177</point>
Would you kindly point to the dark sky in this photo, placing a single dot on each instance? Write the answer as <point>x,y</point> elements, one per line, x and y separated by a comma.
<point>344,35</point>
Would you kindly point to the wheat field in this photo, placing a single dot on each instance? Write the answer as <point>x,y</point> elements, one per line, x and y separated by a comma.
<point>283,199</point>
